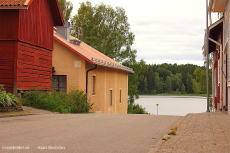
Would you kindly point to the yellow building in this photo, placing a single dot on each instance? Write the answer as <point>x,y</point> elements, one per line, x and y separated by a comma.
<point>76,65</point>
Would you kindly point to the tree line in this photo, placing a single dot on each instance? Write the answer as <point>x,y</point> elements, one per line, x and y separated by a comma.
<point>172,78</point>
<point>166,78</point>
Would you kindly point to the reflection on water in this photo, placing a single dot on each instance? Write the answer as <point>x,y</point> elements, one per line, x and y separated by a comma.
<point>173,105</point>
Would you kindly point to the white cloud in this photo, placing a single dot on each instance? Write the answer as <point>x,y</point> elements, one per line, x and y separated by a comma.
<point>165,31</point>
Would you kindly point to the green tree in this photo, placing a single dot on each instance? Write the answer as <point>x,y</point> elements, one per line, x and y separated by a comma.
<point>150,75</point>
<point>134,79</point>
<point>66,9</point>
<point>182,89</point>
<point>195,86</point>
<point>168,84</point>
<point>200,76</point>
<point>176,81</point>
<point>105,29</point>
<point>143,86</point>
<point>189,81</point>
<point>163,72</point>
<point>159,83</point>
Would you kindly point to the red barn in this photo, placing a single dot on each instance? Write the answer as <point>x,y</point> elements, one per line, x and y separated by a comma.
<point>26,43</point>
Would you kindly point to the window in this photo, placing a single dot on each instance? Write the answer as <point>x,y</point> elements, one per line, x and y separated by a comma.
<point>94,85</point>
<point>120,97</point>
<point>59,83</point>
<point>111,97</point>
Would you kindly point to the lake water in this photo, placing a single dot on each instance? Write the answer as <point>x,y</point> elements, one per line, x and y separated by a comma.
<point>173,105</point>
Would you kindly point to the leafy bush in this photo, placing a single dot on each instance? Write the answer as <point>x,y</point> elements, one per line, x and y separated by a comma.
<point>73,102</point>
<point>79,102</point>
<point>210,104</point>
<point>136,109</point>
<point>7,99</point>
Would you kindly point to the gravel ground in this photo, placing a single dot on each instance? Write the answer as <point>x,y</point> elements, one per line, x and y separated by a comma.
<point>199,133</point>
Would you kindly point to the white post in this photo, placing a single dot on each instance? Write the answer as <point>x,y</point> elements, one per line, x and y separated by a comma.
<point>157,108</point>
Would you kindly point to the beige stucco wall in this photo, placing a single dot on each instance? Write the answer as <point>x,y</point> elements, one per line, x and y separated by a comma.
<point>74,67</point>
<point>109,79</point>
<point>68,63</point>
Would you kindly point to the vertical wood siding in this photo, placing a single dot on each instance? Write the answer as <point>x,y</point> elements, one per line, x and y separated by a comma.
<point>36,24</point>
<point>8,24</point>
<point>34,67</point>
<point>7,64</point>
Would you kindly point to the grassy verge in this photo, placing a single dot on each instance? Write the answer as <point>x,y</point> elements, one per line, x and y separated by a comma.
<point>15,113</point>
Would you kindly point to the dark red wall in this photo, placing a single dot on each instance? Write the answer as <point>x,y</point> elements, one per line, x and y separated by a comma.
<point>34,67</point>
<point>26,56</point>
<point>36,24</point>
<point>8,24</point>
<point>7,58</point>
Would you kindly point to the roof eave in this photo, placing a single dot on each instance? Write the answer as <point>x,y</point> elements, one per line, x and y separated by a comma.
<point>13,8</point>
<point>217,5</point>
<point>214,31</point>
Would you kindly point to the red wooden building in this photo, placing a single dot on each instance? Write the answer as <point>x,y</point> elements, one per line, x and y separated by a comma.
<point>26,43</point>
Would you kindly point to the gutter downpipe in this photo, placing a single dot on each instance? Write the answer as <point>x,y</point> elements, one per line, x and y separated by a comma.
<point>87,74</point>
<point>207,57</point>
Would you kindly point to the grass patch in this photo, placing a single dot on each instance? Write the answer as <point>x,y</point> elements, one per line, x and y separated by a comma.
<point>174,128</point>
<point>172,133</point>
<point>15,113</point>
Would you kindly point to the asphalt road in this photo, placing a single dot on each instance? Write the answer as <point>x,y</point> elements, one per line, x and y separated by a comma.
<point>83,133</point>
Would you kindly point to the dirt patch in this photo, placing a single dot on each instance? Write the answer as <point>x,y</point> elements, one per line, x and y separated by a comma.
<point>36,111</point>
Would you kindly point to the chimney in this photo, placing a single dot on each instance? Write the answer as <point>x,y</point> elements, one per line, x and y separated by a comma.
<point>64,31</point>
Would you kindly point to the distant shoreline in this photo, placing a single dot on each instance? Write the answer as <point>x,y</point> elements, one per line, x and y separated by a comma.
<point>194,95</point>
<point>172,96</point>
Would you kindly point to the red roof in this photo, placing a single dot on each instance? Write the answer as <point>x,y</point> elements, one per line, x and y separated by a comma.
<point>24,4</point>
<point>14,3</point>
<point>91,55</point>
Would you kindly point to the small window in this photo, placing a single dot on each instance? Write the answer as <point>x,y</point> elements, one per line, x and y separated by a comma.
<point>94,85</point>
<point>120,97</point>
<point>111,97</point>
<point>59,83</point>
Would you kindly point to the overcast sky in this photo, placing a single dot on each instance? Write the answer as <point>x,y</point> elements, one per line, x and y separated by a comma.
<point>166,31</point>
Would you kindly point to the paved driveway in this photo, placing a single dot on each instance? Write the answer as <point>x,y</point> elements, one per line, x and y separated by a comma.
<point>83,133</point>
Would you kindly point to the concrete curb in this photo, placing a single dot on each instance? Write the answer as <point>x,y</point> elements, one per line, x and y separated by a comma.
<point>160,142</point>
